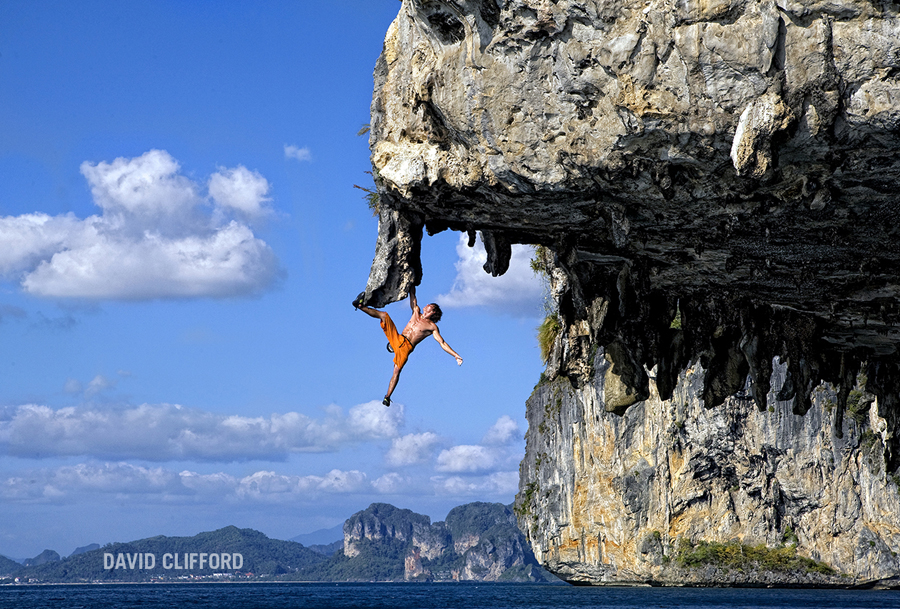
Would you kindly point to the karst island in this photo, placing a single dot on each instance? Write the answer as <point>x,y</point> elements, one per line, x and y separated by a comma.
<point>713,190</point>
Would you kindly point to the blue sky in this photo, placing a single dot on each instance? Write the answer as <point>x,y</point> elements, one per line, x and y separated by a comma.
<point>180,241</point>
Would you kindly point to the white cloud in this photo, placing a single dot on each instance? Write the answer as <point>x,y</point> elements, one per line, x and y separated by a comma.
<point>144,484</point>
<point>269,485</point>
<point>466,458</point>
<point>412,448</point>
<point>216,484</point>
<point>146,185</point>
<point>337,481</point>
<point>30,238</point>
<point>229,261</point>
<point>240,189</point>
<point>504,431</point>
<point>394,484</point>
<point>170,432</point>
<point>293,152</point>
<point>116,478</point>
<point>173,433</point>
<point>504,483</point>
<point>518,290</point>
<point>498,450</point>
<point>373,420</point>
<point>154,238</point>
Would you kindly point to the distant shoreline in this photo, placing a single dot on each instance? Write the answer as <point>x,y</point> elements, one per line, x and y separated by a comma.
<point>863,586</point>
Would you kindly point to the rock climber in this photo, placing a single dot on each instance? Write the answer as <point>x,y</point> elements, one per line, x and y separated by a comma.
<point>422,324</point>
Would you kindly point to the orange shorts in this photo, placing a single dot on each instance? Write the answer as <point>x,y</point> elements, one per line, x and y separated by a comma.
<point>399,343</point>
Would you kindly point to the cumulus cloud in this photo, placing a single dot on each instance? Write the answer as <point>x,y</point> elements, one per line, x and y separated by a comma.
<point>412,448</point>
<point>147,483</point>
<point>230,261</point>
<point>300,154</point>
<point>373,420</point>
<point>269,485</point>
<point>394,484</point>
<point>498,449</point>
<point>504,431</point>
<point>503,483</point>
<point>30,238</point>
<point>170,432</point>
<point>240,189</point>
<point>466,458</point>
<point>118,478</point>
<point>158,236</point>
<point>518,290</point>
<point>148,185</point>
<point>141,484</point>
<point>216,484</point>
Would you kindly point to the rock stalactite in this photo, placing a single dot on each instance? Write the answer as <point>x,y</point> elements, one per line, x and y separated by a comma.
<point>730,165</point>
<point>397,265</point>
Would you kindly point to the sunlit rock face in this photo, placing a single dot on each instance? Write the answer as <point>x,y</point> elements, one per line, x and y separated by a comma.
<point>729,163</point>
<point>476,542</point>
<point>607,499</point>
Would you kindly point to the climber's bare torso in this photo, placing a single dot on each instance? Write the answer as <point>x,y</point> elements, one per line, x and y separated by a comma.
<point>419,326</point>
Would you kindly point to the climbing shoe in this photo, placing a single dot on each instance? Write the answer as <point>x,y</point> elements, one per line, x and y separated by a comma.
<point>386,401</point>
<point>358,301</point>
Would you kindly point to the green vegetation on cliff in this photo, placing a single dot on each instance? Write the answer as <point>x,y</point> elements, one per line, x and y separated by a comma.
<point>546,335</point>
<point>734,555</point>
<point>381,560</point>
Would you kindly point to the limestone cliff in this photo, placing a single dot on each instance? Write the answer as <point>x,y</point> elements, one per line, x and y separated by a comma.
<point>476,542</point>
<point>729,164</point>
<point>607,498</point>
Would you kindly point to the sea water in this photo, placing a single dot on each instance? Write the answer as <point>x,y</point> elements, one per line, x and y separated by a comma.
<point>428,596</point>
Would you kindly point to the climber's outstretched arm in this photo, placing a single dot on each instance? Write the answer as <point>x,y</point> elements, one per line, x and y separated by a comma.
<point>446,347</point>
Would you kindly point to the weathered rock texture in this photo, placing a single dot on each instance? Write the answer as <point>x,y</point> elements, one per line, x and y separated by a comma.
<point>605,498</point>
<point>731,162</point>
<point>477,542</point>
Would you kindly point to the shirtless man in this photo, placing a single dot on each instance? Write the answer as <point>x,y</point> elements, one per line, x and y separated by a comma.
<point>422,324</point>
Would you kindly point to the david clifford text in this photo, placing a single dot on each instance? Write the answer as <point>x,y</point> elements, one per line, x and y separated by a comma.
<point>182,561</point>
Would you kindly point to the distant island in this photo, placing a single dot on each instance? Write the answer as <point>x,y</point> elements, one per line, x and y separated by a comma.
<point>477,542</point>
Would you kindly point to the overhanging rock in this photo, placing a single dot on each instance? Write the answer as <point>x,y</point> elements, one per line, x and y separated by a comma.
<point>732,163</point>
<point>397,265</point>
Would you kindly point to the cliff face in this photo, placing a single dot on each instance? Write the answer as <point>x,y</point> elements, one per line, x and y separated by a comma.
<point>735,160</point>
<point>477,542</point>
<point>730,164</point>
<point>607,498</point>
<point>384,522</point>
